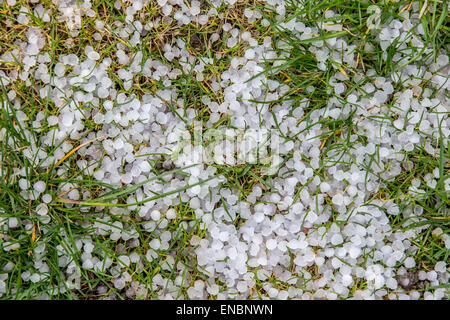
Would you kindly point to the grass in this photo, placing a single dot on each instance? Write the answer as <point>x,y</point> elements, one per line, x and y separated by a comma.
<point>72,220</point>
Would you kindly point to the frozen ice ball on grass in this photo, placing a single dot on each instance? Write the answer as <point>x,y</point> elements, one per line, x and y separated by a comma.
<point>325,187</point>
<point>336,239</point>
<point>338,199</point>
<point>13,222</point>
<point>311,217</point>
<point>171,214</point>
<point>115,235</point>
<point>127,178</point>
<point>124,260</point>
<point>161,118</point>
<point>67,119</point>
<point>391,283</point>
<point>271,244</point>
<point>231,42</point>
<point>203,19</point>
<point>119,283</point>
<point>155,215</point>
<point>258,217</point>
<point>440,266</point>
<point>42,209</point>
<point>23,184</point>
<point>409,263</point>
<point>347,280</point>
<point>249,54</point>
<point>102,92</point>
<point>93,55</point>
<point>39,186</point>
<point>87,264</point>
<point>46,198</point>
<point>35,278</point>
<point>60,69</point>
<point>155,244</point>
<point>432,275</point>
<point>73,194</point>
<point>195,10</point>
<point>354,252</point>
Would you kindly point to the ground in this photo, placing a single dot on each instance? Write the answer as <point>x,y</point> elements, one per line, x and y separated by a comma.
<point>93,93</point>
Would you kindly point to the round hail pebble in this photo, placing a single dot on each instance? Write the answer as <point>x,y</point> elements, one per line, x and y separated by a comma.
<point>155,215</point>
<point>271,244</point>
<point>93,55</point>
<point>338,199</point>
<point>336,239</point>
<point>39,186</point>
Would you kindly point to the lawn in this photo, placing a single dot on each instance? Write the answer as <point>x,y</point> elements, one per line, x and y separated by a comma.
<point>224,149</point>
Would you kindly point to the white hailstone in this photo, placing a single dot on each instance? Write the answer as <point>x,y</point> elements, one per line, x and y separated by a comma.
<point>352,190</point>
<point>347,280</point>
<point>73,194</point>
<point>13,222</point>
<point>115,235</point>
<point>102,92</point>
<point>87,264</point>
<point>391,283</point>
<point>137,5</point>
<point>67,119</point>
<point>60,69</point>
<point>127,178</point>
<point>311,217</point>
<point>155,215</point>
<point>272,292</point>
<point>384,152</point>
<point>195,240</point>
<point>135,257</point>
<point>161,118</point>
<point>155,244</point>
<point>231,42</point>
<point>42,209</point>
<point>35,278</point>
<point>171,214</point>
<point>119,283</point>
<point>354,252</point>
<point>39,186</point>
<point>203,19</point>
<point>325,187</point>
<point>227,27</point>
<point>271,244</point>
<point>93,55</point>
<point>336,239</point>
<point>338,199</point>
<point>151,255</point>
<point>88,247</point>
<point>52,120</point>
<point>409,263</point>
<point>23,184</point>
<point>242,286</point>
<point>124,260</point>
<point>249,54</point>
<point>215,37</point>
<point>432,275</point>
<point>258,217</point>
<point>195,10</point>
<point>167,9</point>
<point>440,266</point>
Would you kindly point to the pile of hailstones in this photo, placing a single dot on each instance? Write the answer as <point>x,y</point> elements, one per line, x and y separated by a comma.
<point>314,249</point>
